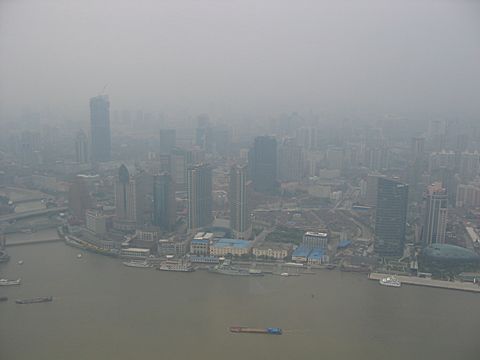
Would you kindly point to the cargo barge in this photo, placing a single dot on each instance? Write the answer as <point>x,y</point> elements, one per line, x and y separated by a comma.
<point>249,330</point>
<point>34,300</point>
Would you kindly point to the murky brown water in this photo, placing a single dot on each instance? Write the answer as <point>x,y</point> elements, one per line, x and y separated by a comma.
<point>103,310</point>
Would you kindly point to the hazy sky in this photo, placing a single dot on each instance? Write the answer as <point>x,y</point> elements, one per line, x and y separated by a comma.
<point>241,56</point>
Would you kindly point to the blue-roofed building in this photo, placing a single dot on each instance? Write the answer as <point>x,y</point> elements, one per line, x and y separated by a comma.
<point>300,254</point>
<point>224,247</point>
<point>317,256</point>
<point>343,244</point>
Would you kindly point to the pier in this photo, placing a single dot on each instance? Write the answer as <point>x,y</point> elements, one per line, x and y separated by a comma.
<point>31,242</point>
<point>440,284</point>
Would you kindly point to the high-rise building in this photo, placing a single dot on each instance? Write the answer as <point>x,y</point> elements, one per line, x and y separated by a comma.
<point>143,197</point>
<point>167,140</point>
<point>335,157</point>
<point>263,164</point>
<point>164,206</point>
<point>79,199</point>
<point>237,196</point>
<point>391,217</point>
<point>178,166</point>
<point>468,195</point>
<point>290,161</point>
<point>199,192</point>
<point>124,196</point>
<point>204,134</point>
<point>469,165</point>
<point>416,168</point>
<point>371,189</point>
<point>435,223</point>
<point>100,128</point>
<point>81,147</point>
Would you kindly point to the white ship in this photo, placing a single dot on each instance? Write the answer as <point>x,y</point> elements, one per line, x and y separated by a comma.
<point>390,281</point>
<point>6,282</point>
<point>138,264</point>
<point>176,265</point>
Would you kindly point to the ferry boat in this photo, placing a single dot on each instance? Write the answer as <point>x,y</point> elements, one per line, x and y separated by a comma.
<point>6,282</point>
<point>34,300</point>
<point>248,330</point>
<point>390,281</point>
<point>179,265</point>
<point>223,270</point>
<point>138,264</point>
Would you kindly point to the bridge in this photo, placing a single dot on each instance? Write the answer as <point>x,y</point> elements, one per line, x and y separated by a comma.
<point>33,213</point>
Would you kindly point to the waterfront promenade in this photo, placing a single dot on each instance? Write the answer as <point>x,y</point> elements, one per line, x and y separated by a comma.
<point>417,281</point>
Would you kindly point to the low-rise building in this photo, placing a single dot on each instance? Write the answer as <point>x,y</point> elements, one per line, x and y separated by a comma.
<point>134,253</point>
<point>224,247</point>
<point>272,250</point>
<point>317,256</point>
<point>200,245</point>
<point>171,247</point>
<point>300,254</point>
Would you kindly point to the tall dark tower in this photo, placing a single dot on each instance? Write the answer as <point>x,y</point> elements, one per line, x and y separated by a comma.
<point>199,190</point>
<point>391,217</point>
<point>124,195</point>
<point>100,128</point>
<point>164,207</point>
<point>264,164</point>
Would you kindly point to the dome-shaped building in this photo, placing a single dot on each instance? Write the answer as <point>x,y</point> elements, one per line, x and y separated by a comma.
<point>437,258</point>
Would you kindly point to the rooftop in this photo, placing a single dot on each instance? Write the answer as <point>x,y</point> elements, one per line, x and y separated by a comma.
<point>235,243</point>
<point>200,241</point>
<point>319,234</point>
<point>316,253</point>
<point>271,245</point>
<point>302,251</point>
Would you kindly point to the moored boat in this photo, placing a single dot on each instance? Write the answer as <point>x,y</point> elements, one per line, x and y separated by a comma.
<point>34,300</point>
<point>390,281</point>
<point>7,282</point>
<point>138,264</point>
<point>249,330</point>
<point>179,265</point>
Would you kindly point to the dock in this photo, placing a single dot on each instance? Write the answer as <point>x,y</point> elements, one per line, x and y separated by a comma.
<point>440,284</point>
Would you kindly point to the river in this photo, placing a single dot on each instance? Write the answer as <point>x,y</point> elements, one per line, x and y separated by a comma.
<point>104,310</point>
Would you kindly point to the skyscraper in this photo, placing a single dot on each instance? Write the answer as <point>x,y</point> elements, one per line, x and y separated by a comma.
<point>199,191</point>
<point>391,217</point>
<point>81,147</point>
<point>237,197</point>
<point>167,140</point>
<point>143,198</point>
<point>124,196</point>
<point>435,223</point>
<point>79,199</point>
<point>178,167</point>
<point>164,207</point>
<point>290,161</point>
<point>100,128</point>
<point>263,164</point>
